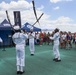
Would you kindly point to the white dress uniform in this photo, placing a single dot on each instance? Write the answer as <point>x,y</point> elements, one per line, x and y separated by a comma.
<point>31,37</point>
<point>56,45</point>
<point>19,40</point>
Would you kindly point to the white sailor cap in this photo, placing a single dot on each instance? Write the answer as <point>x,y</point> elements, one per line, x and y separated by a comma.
<point>16,27</point>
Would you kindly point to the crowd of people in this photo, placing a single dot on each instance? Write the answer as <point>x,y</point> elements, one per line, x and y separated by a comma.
<point>66,39</point>
<point>42,38</point>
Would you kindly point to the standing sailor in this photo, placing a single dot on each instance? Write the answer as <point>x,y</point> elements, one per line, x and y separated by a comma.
<point>56,37</point>
<point>19,40</point>
<point>31,37</point>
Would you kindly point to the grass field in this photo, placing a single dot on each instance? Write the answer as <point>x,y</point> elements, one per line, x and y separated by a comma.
<point>39,64</point>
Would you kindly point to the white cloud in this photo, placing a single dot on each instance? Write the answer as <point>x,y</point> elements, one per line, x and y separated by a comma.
<point>62,21</point>
<point>27,15</point>
<point>56,8</point>
<point>64,24</point>
<point>67,27</point>
<point>21,4</point>
<point>56,1</point>
<point>40,8</point>
<point>68,0</point>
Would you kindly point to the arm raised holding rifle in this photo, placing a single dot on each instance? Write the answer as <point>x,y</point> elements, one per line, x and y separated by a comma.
<point>55,37</point>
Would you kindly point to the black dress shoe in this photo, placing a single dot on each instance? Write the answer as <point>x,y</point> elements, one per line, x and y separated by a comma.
<point>32,54</point>
<point>18,72</point>
<point>55,59</point>
<point>58,60</point>
<point>22,72</point>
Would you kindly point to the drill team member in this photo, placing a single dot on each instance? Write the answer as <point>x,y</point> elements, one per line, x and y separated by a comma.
<point>31,37</point>
<point>56,37</point>
<point>19,40</point>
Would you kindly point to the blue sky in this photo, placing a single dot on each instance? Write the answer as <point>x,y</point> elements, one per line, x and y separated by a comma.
<point>57,13</point>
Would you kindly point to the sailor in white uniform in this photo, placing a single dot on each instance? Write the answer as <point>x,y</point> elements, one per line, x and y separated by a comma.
<point>56,37</point>
<point>19,40</point>
<point>31,37</point>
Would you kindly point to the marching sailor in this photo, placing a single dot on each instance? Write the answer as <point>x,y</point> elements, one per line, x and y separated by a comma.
<point>56,37</point>
<point>31,37</point>
<point>19,39</point>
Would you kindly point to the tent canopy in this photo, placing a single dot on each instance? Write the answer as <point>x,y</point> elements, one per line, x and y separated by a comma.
<point>6,33</point>
<point>28,26</point>
<point>5,25</point>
